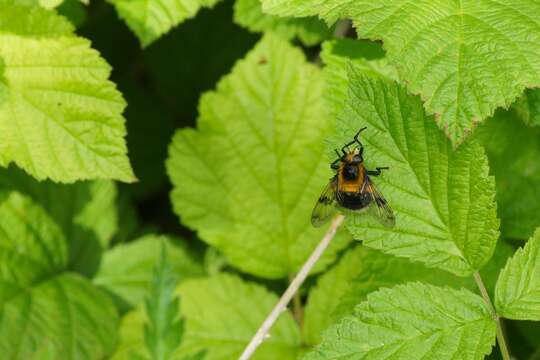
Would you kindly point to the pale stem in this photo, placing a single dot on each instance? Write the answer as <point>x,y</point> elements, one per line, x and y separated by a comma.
<point>298,310</point>
<point>500,334</point>
<point>342,28</point>
<point>294,285</point>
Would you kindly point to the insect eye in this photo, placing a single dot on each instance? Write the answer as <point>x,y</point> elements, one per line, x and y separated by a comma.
<point>357,158</point>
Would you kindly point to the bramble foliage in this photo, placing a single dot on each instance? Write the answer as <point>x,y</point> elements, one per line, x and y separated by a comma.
<point>151,19</point>
<point>445,50</point>
<point>61,117</point>
<point>263,120</point>
<point>102,258</point>
<point>410,321</point>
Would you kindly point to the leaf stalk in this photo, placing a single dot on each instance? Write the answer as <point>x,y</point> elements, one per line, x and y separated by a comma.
<point>501,340</point>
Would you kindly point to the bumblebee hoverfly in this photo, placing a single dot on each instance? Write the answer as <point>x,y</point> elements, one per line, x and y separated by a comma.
<point>351,187</point>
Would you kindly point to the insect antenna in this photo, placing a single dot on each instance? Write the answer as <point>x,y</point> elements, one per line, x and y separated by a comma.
<point>355,141</point>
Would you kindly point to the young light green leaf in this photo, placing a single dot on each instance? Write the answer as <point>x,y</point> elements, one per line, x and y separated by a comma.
<point>249,177</point>
<point>443,199</point>
<point>47,4</point>
<point>50,4</point>
<point>441,57</point>
<point>223,312</point>
<point>513,150</point>
<point>62,117</point>
<point>329,10</point>
<point>131,345</point>
<point>365,56</point>
<point>517,294</point>
<point>412,321</point>
<point>85,211</point>
<point>44,308</point>
<point>126,269</point>
<point>528,107</point>
<point>4,93</point>
<point>150,19</point>
<point>310,31</point>
<point>163,330</point>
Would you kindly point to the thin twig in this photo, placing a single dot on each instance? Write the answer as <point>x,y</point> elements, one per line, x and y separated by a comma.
<point>291,290</point>
<point>298,310</point>
<point>500,334</point>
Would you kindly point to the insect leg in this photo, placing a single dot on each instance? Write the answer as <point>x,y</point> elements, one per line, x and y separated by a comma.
<point>335,164</point>
<point>377,172</point>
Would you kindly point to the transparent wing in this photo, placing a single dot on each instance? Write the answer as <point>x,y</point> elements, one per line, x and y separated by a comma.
<point>379,206</point>
<point>326,205</point>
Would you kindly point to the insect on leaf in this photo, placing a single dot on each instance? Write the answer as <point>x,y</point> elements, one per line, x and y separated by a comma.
<point>443,198</point>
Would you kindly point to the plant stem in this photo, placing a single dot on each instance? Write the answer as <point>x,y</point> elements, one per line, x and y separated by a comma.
<point>342,28</point>
<point>298,310</point>
<point>500,334</point>
<point>295,284</point>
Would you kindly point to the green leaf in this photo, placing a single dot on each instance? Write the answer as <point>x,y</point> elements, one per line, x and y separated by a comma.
<point>131,345</point>
<point>329,10</point>
<point>438,49</point>
<point>126,269</point>
<point>517,294</point>
<point>150,19</point>
<point>363,270</point>
<point>50,4</point>
<point>62,118</point>
<point>4,93</point>
<point>47,4</point>
<point>513,150</point>
<point>85,211</point>
<point>443,199</point>
<point>74,10</point>
<point>528,107</point>
<point>44,308</point>
<point>412,321</point>
<point>223,312</point>
<point>358,273</point>
<point>365,56</point>
<point>163,330</point>
<point>249,177</point>
<point>310,31</point>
